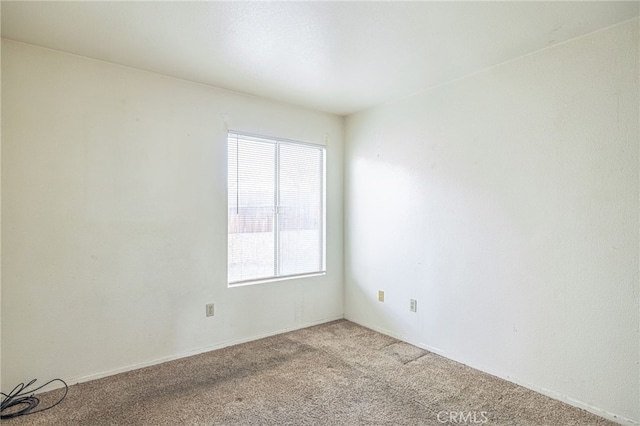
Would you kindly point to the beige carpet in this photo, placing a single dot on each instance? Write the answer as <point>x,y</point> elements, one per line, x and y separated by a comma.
<point>333,374</point>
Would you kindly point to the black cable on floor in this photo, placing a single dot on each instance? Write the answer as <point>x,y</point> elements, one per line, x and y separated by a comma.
<point>17,397</point>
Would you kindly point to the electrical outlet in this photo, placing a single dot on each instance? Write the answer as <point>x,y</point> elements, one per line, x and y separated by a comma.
<point>380,296</point>
<point>210,309</point>
<point>413,305</point>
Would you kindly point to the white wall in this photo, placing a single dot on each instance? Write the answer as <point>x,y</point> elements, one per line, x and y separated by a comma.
<point>506,203</point>
<point>0,213</point>
<point>114,218</point>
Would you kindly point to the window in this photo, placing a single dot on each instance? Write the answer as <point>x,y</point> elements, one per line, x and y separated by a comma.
<point>276,217</point>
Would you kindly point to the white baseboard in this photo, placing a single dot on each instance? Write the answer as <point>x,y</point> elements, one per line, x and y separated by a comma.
<point>74,380</point>
<point>547,392</point>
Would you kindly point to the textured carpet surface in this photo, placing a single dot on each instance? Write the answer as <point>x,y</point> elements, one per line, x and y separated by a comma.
<point>332,374</point>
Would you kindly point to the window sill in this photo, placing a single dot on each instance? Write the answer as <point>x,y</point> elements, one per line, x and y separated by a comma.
<point>275,279</point>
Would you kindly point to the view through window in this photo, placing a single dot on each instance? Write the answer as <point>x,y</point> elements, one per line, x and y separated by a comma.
<point>276,221</point>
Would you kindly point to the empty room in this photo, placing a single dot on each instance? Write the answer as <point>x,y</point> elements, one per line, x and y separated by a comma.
<point>320,213</point>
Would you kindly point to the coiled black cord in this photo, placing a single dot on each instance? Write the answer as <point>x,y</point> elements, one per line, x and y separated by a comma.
<point>17,397</point>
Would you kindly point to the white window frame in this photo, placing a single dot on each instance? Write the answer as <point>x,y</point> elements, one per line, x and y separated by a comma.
<point>323,222</point>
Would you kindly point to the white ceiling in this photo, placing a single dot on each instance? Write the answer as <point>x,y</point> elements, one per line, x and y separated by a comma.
<point>338,57</point>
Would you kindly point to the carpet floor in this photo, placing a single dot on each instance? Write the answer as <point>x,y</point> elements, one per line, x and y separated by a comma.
<point>337,373</point>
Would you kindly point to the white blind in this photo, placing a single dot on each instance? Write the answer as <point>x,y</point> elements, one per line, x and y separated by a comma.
<point>275,208</point>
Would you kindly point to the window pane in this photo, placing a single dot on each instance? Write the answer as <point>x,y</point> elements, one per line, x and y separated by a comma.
<point>300,211</point>
<point>251,233</point>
